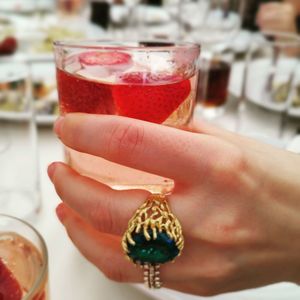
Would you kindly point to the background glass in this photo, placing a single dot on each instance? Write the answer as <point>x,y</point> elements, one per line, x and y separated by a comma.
<point>272,77</point>
<point>24,252</point>
<point>218,20</point>
<point>213,82</point>
<point>20,182</point>
<point>152,81</point>
<point>159,20</point>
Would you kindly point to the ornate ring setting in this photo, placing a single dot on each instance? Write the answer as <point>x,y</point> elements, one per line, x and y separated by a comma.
<point>153,237</point>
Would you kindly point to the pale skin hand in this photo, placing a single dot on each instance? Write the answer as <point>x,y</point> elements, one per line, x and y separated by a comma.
<point>238,202</point>
<point>277,17</point>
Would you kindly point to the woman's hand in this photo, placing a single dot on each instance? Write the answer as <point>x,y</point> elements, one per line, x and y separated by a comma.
<point>238,202</point>
<point>277,17</point>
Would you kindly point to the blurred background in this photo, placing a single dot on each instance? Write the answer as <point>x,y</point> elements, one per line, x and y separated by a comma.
<point>226,29</point>
<point>248,82</point>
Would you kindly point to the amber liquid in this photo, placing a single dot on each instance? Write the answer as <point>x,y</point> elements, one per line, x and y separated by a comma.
<point>213,84</point>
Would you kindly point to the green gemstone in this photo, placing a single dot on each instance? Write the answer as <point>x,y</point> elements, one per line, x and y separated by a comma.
<point>158,251</point>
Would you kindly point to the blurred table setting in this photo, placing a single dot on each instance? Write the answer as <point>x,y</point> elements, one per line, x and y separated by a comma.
<point>248,83</point>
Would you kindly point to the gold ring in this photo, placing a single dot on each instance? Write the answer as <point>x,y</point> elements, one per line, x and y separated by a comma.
<point>153,237</point>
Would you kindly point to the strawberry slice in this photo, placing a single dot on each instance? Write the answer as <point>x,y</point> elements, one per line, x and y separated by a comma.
<point>8,46</point>
<point>96,58</point>
<point>150,97</point>
<point>9,286</point>
<point>78,94</point>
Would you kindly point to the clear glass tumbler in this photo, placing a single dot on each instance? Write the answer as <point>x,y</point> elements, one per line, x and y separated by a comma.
<point>218,21</point>
<point>150,81</point>
<point>213,82</point>
<point>19,176</point>
<point>23,261</point>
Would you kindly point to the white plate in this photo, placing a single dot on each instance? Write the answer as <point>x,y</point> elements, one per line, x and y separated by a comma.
<point>13,71</point>
<point>255,84</point>
<point>42,71</point>
<point>46,120</point>
<point>25,6</point>
<point>15,116</point>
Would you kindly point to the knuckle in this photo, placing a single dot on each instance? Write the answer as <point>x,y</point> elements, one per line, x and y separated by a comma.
<point>101,218</point>
<point>234,161</point>
<point>126,139</point>
<point>227,167</point>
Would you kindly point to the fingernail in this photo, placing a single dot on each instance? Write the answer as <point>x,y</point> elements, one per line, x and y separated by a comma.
<point>51,170</point>
<point>58,125</point>
<point>60,212</point>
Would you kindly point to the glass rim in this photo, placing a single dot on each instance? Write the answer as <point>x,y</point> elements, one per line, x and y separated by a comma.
<point>292,39</point>
<point>126,45</point>
<point>43,273</point>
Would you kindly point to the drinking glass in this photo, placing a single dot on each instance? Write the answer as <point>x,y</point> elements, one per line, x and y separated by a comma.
<point>272,77</point>
<point>20,182</point>
<point>151,81</point>
<point>218,20</point>
<point>159,20</point>
<point>213,81</point>
<point>124,20</point>
<point>23,261</point>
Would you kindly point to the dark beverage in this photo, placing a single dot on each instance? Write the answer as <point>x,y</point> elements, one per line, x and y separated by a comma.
<point>154,2</point>
<point>213,84</point>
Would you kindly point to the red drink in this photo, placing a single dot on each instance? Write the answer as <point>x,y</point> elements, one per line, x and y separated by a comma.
<point>133,99</point>
<point>113,83</point>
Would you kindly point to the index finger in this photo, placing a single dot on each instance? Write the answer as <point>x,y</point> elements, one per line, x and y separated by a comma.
<point>153,148</point>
